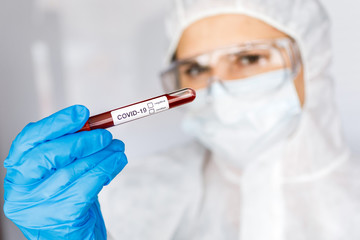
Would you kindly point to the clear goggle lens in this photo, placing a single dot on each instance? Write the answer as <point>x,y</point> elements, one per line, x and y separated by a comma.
<point>233,63</point>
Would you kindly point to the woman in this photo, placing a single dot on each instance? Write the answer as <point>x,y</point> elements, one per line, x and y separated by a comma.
<point>269,163</point>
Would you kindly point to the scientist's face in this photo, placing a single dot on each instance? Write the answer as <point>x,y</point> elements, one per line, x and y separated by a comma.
<point>220,31</point>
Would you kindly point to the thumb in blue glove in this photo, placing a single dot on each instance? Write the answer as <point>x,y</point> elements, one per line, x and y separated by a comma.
<point>55,174</point>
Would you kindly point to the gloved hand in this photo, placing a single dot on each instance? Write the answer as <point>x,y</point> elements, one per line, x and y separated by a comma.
<point>55,174</point>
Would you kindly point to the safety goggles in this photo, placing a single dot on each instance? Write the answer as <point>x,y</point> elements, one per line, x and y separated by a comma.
<point>236,62</point>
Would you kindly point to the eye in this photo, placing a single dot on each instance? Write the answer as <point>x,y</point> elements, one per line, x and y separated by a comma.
<point>195,69</point>
<point>250,59</point>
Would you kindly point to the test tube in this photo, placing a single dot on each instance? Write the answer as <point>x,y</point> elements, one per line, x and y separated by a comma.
<point>140,109</point>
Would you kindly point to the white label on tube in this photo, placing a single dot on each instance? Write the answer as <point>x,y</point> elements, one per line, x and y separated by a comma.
<point>140,110</point>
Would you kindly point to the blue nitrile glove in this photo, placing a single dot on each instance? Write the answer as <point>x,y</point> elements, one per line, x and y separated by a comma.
<point>55,174</point>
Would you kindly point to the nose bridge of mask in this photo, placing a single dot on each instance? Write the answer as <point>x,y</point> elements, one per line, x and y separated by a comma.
<point>261,83</point>
<point>237,99</point>
<point>224,105</point>
<point>216,88</point>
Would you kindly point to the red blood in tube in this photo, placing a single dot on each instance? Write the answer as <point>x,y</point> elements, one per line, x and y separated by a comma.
<point>105,120</point>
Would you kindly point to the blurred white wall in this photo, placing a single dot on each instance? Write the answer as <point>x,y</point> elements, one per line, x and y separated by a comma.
<point>105,54</point>
<point>346,47</point>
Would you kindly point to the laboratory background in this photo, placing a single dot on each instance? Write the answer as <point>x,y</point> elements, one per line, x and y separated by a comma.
<point>107,54</point>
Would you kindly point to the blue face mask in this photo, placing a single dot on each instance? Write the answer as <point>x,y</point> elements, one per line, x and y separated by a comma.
<point>239,119</point>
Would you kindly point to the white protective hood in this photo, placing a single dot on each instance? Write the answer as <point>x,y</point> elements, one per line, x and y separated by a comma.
<point>303,188</point>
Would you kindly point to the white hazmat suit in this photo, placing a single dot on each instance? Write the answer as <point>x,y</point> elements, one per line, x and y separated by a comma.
<point>305,187</point>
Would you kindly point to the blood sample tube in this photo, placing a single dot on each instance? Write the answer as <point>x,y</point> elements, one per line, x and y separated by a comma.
<point>140,109</point>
